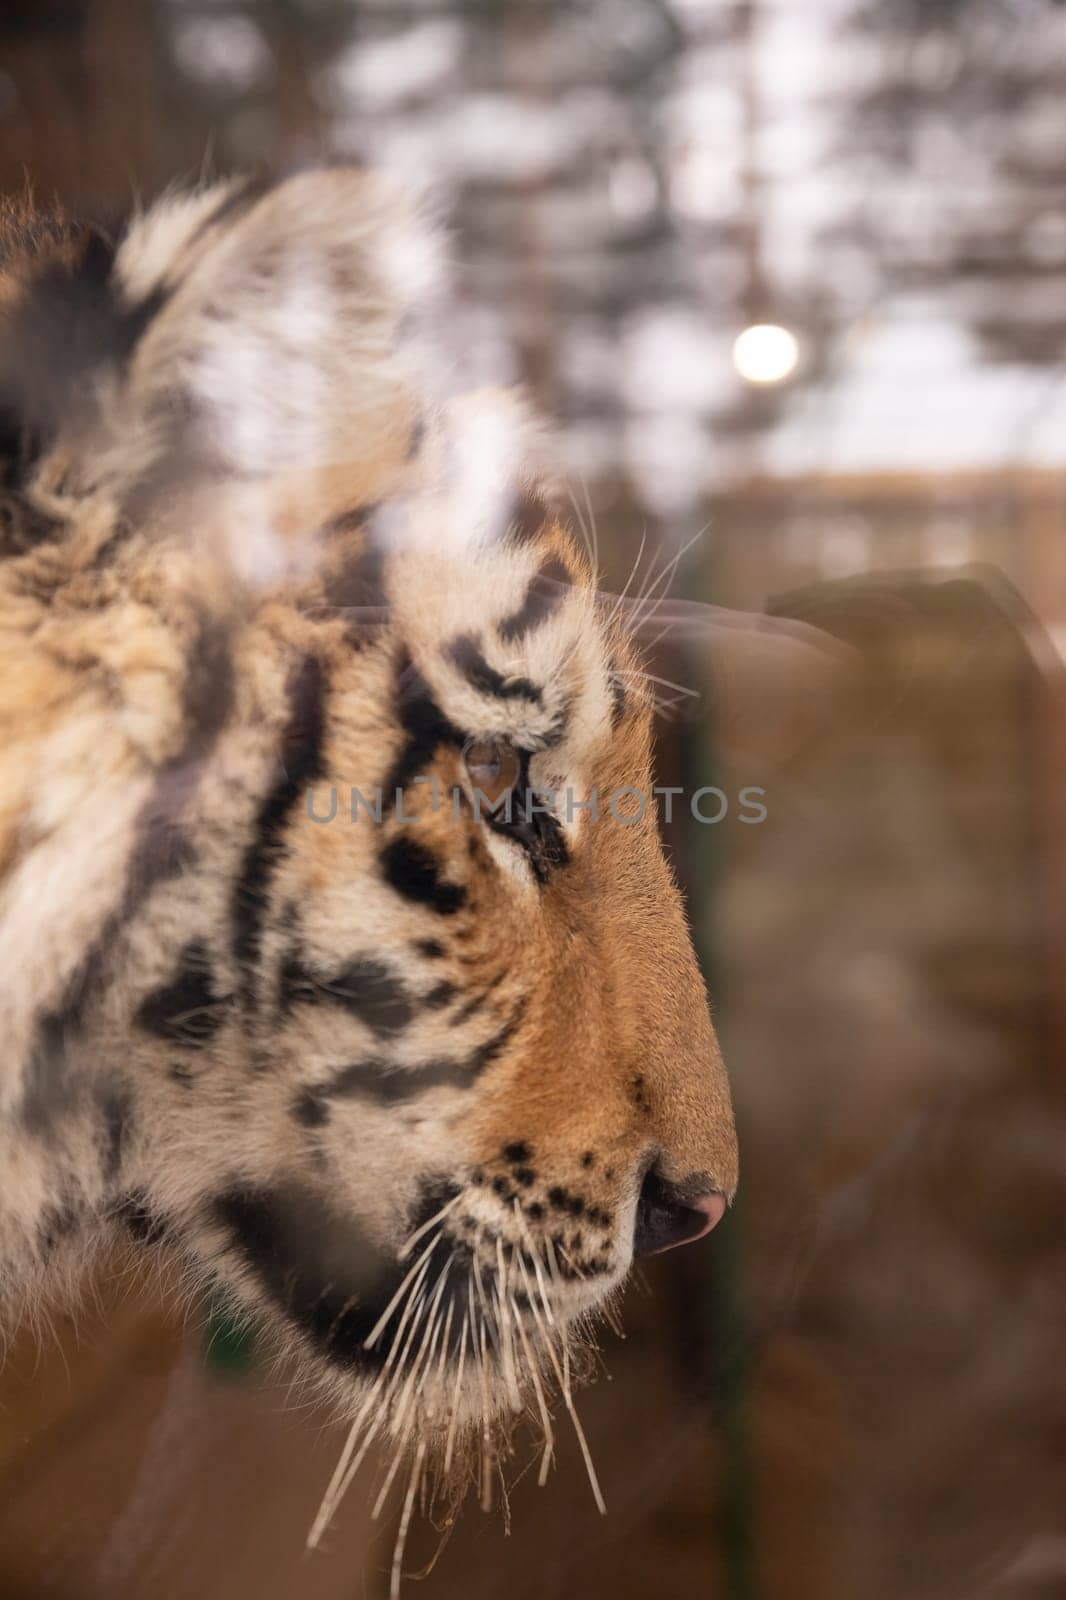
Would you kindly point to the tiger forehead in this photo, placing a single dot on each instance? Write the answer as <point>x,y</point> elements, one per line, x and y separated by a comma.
<point>506,636</point>
<point>525,592</point>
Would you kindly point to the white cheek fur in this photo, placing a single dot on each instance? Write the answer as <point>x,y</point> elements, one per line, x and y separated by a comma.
<point>569,786</point>
<point>512,859</point>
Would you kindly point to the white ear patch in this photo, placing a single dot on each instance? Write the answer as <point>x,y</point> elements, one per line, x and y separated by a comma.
<point>491,438</point>
<point>283,329</point>
<point>483,452</point>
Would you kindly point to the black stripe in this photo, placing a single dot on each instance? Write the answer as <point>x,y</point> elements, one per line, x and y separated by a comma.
<point>527,519</point>
<point>415,873</point>
<point>160,852</point>
<point>58,1221</point>
<point>316,1267</point>
<point>488,1052</point>
<point>424,724</point>
<point>23,525</point>
<point>419,429</point>
<point>546,592</point>
<point>385,1084</point>
<point>301,760</point>
<point>115,1111</point>
<point>441,995</point>
<point>375,1080</point>
<point>472,1006</point>
<point>360,581</point>
<point>188,1010</point>
<point>310,1109</point>
<point>49,1087</point>
<point>105,326</point>
<point>619,705</point>
<point>143,1225</point>
<point>357,590</point>
<point>295,984</point>
<point>208,691</point>
<point>72,322</point>
<point>241,198</point>
<point>365,987</point>
<point>91,307</point>
<point>466,654</point>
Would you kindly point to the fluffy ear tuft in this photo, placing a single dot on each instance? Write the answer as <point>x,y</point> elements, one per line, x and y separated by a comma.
<point>235,334</point>
<point>281,336</point>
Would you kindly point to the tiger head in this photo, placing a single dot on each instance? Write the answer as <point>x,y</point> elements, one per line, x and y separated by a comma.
<point>383,1014</point>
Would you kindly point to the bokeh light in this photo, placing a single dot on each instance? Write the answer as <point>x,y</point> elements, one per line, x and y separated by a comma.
<point>765,353</point>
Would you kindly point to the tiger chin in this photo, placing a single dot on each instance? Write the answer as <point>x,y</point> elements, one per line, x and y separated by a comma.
<point>407,1085</point>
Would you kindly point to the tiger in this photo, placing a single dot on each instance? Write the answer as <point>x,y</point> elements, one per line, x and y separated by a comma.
<point>405,1085</point>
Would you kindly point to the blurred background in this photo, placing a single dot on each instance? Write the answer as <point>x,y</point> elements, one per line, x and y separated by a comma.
<point>790,278</point>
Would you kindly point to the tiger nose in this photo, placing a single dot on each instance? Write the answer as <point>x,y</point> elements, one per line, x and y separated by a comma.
<point>665,1219</point>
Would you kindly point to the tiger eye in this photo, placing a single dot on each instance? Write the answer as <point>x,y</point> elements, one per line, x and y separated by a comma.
<point>492,767</point>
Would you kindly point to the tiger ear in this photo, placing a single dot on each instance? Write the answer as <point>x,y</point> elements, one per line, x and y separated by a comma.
<point>282,337</point>
<point>238,334</point>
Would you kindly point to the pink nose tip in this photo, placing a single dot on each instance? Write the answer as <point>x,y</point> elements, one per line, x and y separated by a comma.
<point>667,1217</point>
<point>713,1208</point>
<point>694,1221</point>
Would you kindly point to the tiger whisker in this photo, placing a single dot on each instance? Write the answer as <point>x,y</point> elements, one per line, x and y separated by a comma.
<point>664,708</point>
<point>620,599</point>
<point>542,1405</point>
<point>505,1501</point>
<point>411,1382</point>
<point>388,1383</point>
<point>667,573</point>
<point>398,1357</point>
<point>405,1520</point>
<point>454,1423</point>
<point>401,1419</point>
<point>666,683</point>
<point>375,1333</point>
<point>445,1343</point>
<point>648,603</point>
<point>487,1454</point>
<point>425,1355</point>
<point>563,1376</point>
<point>390,1479</point>
<point>652,579</point>
<point>381,1390</point>
<point>536,1265</point>
<point>486,1434</point>
<point>553,1267</point>
<point>411,1314</point>
<point>503,1319</point>
<point>332,1497</point>
<point>592,525</point>
<point>438,1216</point>
<point>610,1316</point>
<point>585,536</point>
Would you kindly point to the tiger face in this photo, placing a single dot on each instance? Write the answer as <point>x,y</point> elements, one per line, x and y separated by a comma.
<point>375,1002</point>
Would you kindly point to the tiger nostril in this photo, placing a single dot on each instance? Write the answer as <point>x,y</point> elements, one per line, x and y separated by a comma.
<point>665,1219</point>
